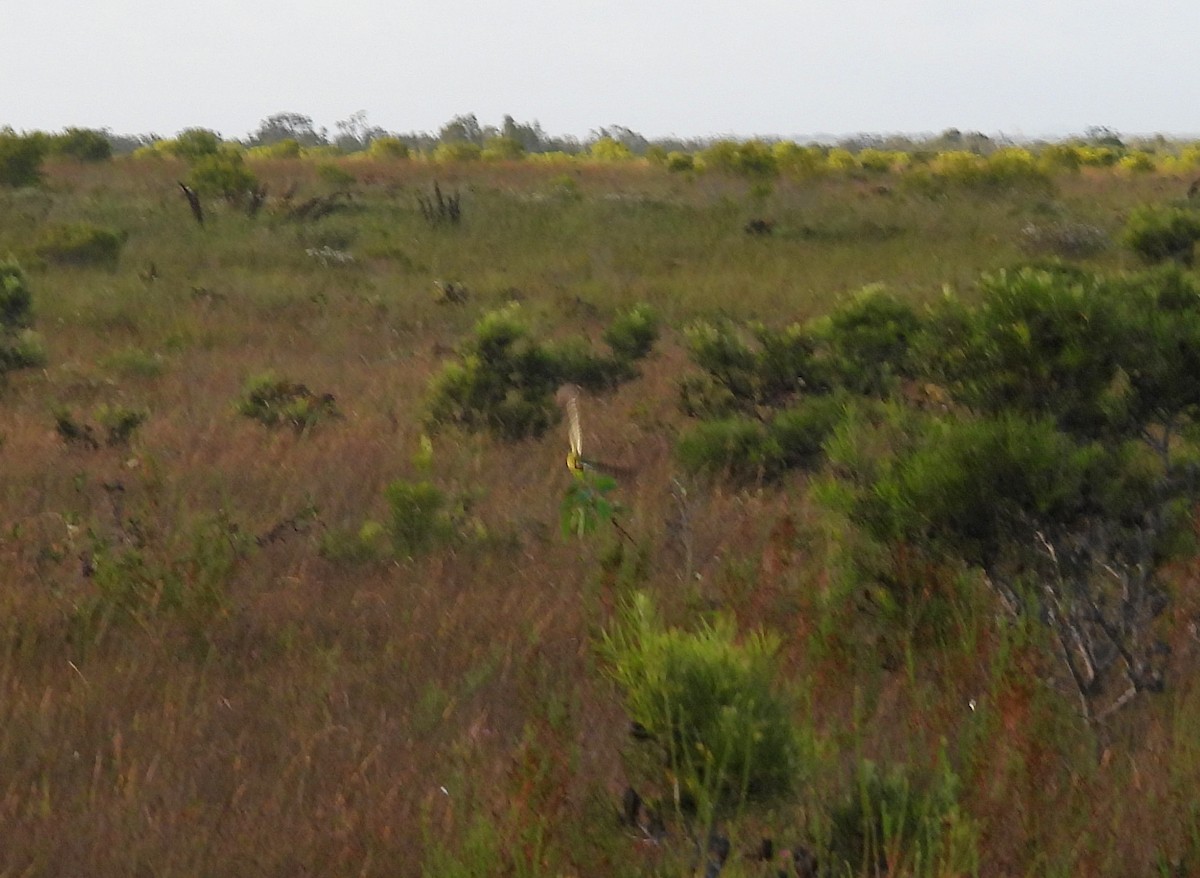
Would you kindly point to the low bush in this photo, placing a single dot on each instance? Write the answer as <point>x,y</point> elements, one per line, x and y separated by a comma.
<point>275,401</point>
<point>1159,233</point>
<point>504,380</point>
<point>708,699</point>
<point>20,347</point>
<point>20,158</point>
<point>82,144</point>
<point>633,333</point>
<point>738,448</point>
<point>222,173</point>
<point>80,244</point>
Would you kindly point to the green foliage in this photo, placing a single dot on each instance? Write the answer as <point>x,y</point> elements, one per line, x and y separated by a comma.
<point>606,149</point>
<point>890,824</point>
<point>388,148</point>
<point>709,700</point>
<point>16,299</point>
<point>120,422</point>
<point>335,175</point>
<point>504,379</point>
<point>747,450</point>
<point>974,486</point>
<point>633,333</point>
<point>751,158</point>
<point>20,158</point>
<point>800,431</point>
<point>417,516</point>
<point>782,365</point>
<point>223,173</point>
<point>457,151</point>
<point>502,149</point>
<point>680,162</point>
<point>193,144</point>
<point>83,144</point>
<point>1160,233</point>
<point>20,347</point>
<point>867,342</point>
<point>739,448</point>
<point>275,401</point>
<point>586,505</point>
<point>288,148</point>
<point>80,244</point>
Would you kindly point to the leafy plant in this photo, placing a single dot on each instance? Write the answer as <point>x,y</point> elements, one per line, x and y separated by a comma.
<point>586,504</point>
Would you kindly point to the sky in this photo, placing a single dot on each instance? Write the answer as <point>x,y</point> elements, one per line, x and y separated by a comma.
<point>1021,68</point>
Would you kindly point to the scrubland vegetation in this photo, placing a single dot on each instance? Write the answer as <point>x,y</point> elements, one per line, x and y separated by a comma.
<point>876,553</point>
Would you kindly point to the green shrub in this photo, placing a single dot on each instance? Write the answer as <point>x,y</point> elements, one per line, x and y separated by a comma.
<point>335,175</point>
<point>417,516</point>
<point>80,244</point>
<point>388,148</point>
<point>20,158</point>
<point>1160,233</point>
<point>781,366</point>
<point>739,448</point>
<point>223,174</point>
<point>120,422</point>
<point>457,151</point>
<point>800,431</point>
<point>867,342</point>
<point>83,144</point>
<point>193,144</point>
<point>275,401</point>
<point>16,299</point>
<point>20,347</point>
<point>708,699</point>
<point>633,333</point>
<point>680,162</point>
<point>888,824</point>
<point>973,487</point>
<point>504,380</point>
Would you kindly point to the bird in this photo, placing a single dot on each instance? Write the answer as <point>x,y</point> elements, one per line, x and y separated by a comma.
<point>568,399</point>
<point>193,201</point>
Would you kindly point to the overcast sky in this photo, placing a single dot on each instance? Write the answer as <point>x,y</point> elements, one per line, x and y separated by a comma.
<point>1024,68</point>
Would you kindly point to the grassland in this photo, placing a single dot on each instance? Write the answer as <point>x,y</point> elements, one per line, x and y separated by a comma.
<point>200,674</point>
